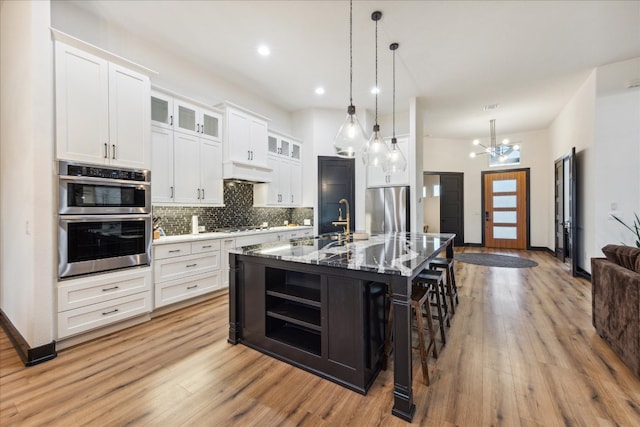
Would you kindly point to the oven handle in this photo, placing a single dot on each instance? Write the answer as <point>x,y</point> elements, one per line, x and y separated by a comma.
<point>104,181</point>
<point>104,218</point>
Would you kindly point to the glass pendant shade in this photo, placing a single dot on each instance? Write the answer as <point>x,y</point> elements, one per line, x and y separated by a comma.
<point>350,140</point>
<point>377,150</point>
<point>396,161</point>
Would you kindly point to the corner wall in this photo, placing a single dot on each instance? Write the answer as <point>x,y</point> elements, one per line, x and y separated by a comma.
<point>27,251</point>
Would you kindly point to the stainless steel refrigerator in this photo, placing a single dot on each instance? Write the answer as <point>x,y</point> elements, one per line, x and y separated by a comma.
<point>387,210</point>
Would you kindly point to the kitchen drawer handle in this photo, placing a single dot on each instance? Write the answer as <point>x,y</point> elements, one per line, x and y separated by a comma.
<point>170,120</point>
<point>114,151</point>
<point>191,265</point>
<point>206,246</point>
<point>171,191</point>
<point>192,287</point>
<point>106,150</point>
<point>110,289</point>
<point>203,194</point>
<point>110,312</point>
<point>173,251</point>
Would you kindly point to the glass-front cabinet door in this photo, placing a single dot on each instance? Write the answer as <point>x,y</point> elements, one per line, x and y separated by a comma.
<point>161,110</point>
<point>186,117</point>
<point>211,125</point>
<point>295,151</point>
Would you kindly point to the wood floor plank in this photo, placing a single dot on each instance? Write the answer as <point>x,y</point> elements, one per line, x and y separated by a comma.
<point>521,350</point>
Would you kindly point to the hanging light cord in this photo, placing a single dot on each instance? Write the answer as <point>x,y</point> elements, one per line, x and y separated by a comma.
<point>393,139</point>
<point>351,52</point>
<point>377,73</point>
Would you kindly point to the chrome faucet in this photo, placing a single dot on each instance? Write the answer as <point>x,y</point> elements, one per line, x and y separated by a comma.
<point>346,223</point>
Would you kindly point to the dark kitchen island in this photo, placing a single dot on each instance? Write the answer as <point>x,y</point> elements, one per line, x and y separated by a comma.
<point>320,304</point>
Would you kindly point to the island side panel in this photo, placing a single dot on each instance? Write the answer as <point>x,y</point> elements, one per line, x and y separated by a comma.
<point>403,405</point>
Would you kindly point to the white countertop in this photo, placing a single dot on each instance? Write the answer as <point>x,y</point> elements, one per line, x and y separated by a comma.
<point>204,236</point>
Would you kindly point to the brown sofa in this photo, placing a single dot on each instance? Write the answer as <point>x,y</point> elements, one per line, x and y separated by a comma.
<point>615,289</point>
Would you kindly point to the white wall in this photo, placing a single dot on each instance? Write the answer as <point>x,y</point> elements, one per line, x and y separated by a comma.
<point>451,155</point>
<point>617,152</point>
<point>574,127</point>
<point>26,169</point>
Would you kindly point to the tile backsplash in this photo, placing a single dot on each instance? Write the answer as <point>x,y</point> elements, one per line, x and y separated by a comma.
<point>238,211</point>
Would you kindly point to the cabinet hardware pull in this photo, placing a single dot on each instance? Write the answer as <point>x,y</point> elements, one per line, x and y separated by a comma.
<point>248,155</point>
<point>110,289</point>
<point>251,154</point>
<point>171,191</point>
<point>198,128</point>
<point>198,194</point>
<point>191,265</point>
<point>228,240</point>
<point>114,151</point>
<point>203,194</point>
<point>110,312</point>
<point>171,120</point>
<point>206,246</point>
<point>192,287</point>
<point>106,150</point>
<point>173,251</point>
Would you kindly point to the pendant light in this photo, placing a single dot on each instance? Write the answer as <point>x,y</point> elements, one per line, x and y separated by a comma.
<point>377,150</point>
<point>396,162</point>
<point>350,140</point>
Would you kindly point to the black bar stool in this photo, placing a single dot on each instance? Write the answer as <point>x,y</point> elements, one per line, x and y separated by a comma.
<point>419,301</point>
<point>434,279</point>
<point>446,264</point>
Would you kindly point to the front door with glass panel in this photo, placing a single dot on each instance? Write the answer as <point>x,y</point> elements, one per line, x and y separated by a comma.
<point>505,209</point>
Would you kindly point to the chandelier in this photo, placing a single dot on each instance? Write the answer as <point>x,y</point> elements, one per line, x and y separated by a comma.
<point>498,153</point>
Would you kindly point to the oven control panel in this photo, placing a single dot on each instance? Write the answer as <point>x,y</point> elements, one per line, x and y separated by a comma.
<point>76,169</point>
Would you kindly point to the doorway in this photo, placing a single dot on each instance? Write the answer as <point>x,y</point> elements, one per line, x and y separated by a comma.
<point>505,200</point>
<point>565,210</point>
<point>336,180</point>
<point>443,194</point>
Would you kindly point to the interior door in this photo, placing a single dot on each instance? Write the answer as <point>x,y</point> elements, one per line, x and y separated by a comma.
<point>452,205</point>
<point>505,196</point>
<point>336,180</point>
<point>565,210</point>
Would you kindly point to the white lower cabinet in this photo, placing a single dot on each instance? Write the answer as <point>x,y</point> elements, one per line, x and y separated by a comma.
<point>94,301</point>
<point>185,270</point>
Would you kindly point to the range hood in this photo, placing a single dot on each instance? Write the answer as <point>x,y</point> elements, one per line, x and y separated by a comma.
<point>245,172</point>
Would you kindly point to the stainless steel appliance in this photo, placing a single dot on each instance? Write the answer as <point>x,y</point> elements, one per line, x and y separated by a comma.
<point>104,219</point>
<point>387,210</point>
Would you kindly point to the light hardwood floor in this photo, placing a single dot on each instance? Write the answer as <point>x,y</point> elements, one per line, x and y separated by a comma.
<point>521,351</point>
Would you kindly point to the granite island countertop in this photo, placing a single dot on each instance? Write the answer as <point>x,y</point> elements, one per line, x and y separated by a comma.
<point>396,253</point>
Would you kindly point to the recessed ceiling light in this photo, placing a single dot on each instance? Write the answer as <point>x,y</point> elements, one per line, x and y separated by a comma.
<point>264,50</point>
<point>320,90</point>
<point>375,90</point>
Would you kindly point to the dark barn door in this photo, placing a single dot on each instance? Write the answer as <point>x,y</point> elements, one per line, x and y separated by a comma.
<point>336,180</point>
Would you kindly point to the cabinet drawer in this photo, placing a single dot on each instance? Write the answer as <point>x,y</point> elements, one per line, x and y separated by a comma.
<point>179,290</point>
<point>82,319</point>
<point>205,246</point>
<point>172,250</point>
<point>301,233</point>
<point>179,267</point>
<point>95,289</point>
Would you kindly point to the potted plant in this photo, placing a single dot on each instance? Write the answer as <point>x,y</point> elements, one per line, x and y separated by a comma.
<point>635,229</point>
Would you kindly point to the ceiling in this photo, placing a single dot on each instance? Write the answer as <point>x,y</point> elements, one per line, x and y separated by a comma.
<point>529,57</point>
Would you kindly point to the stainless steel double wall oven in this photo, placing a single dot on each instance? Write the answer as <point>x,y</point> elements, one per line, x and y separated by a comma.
<point>104,218</point>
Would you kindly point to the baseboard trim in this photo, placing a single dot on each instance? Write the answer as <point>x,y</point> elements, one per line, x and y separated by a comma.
<point>542,249</point>
<point>473,245</point>
<point>29,355</point>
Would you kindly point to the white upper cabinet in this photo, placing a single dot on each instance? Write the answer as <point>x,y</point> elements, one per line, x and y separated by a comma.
<point>186,151</point>
<point>102,110</point>
<point>196,120</point>
<point>245,145</point>
<point>161,110</point>
<point>162,190</point>
<point>285,185</point>
<point>376,177</point>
